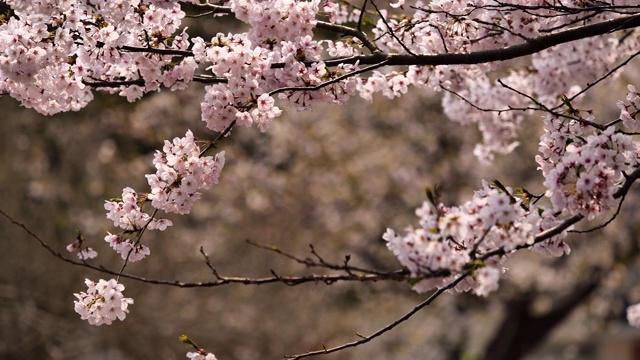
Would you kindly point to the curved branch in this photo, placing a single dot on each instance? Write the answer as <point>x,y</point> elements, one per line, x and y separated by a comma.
<point>405,317</point>
<point>479,57</point>
<point>320,262</point>
<point>209,9</point>
<point>355,275</point>
<point>557,230</point>
<point>111,84</point>
<point>545,235</point>
<point>604,224</point>
<point>629,180</point>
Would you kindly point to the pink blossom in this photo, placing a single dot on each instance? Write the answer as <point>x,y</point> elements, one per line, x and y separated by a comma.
<point>633,315</point>
<point>102,303</point>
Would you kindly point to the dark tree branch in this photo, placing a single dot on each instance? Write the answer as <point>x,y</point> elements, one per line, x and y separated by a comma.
<point>629,180</point>
<point>151,50</point>
<point>512,52</point>
<point>348,276</point>
<point>604,224</point>
<point>398,275</point>
<point>329,82</point>
<point>203,79</point>
<point>522,330</point>
<point>602,78</point>
<point>366,339</point>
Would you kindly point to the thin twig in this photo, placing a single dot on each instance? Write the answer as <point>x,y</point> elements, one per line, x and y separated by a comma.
<point>391,31</point>
<point>341,29</point>
<point>329,82</point>
<point>604,224</point>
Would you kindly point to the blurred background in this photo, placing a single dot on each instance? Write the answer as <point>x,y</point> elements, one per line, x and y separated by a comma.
<point>333,177</point>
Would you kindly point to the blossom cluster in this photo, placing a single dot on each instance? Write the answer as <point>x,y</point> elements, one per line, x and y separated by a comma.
<point>180,172</point>
<point>465,27</point>
<point>339,12</point>
<point>199,356</point>
<point>127,213</point>
<point>129,249</point>
<point>584,164</point>
<point>281,20</point>
<point>50,50</point>
<point>247,68</point>
<point>83,252</point>
<point>235,58</point>
<point>583,169</point>
<point>102,303</point>
<point>629,109</point>
<point>280,32</point>
<point>633,315</point>
<point>451,240</point>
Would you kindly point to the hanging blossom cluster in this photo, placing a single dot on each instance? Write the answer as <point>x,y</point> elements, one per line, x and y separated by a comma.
<point>181,171</point>
<point>83,252</point>
<point>583,169</point>
<point>127,213</point>
<point>630,108</point>
<point>452,240</point>
<point>102,303</point>
<point>198,356</point>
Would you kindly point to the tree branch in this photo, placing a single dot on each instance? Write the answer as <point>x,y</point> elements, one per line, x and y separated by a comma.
<point>533,46</point>
<point>366,339</point>
<point>516,51</point>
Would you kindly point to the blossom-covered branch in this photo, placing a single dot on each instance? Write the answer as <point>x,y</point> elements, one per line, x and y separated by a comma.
<point>54,55</point>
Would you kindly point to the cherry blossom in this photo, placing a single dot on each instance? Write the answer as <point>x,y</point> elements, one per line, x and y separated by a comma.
<point>84,253</point>
<point>633,315</point>
<point>583,170</point>
<point>451,238</point>
<point>181,172</point>
<point>198,356</point>
<point>102,303</point>
<point>629,109</point>
<point>128,249</point>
